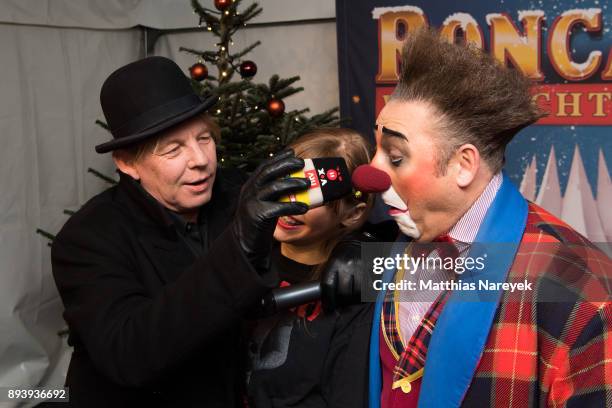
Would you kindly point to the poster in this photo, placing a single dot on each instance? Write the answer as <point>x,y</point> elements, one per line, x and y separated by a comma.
<point>563,162</point>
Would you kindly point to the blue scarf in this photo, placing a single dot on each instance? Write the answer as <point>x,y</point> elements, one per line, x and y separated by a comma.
<point>463,327</point>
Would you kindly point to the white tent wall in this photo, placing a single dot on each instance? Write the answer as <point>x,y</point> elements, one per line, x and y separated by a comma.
<point>50,80</point>
<point>56,55</point>
<point>160,14</point>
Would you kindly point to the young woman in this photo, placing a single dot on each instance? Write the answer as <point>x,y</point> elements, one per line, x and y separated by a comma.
<point>305,357</point>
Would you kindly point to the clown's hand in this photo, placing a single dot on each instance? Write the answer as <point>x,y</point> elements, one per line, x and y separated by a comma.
<point>259,208</point>
<point>342,275</point>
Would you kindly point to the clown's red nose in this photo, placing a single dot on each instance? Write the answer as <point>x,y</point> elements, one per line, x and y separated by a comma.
<point>368,179</point>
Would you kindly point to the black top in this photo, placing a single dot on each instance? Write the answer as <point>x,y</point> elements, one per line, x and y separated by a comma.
<point>194,234</point>
<point>152,324</point>
<point>289,270</point>
<point>308,358</point>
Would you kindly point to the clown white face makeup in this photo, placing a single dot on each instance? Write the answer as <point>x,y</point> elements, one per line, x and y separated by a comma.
<point>425,203</point>
<point>399,212</point>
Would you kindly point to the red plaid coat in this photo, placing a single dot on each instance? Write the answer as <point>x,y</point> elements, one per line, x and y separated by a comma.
<point>550,354</point>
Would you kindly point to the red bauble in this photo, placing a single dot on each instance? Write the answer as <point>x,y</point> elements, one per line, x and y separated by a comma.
<point>248,69</point>
<point>222,4</point>
<point>198,71</point>
<point>275,107</point>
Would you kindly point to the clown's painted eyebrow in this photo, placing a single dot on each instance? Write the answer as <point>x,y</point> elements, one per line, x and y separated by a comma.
<point>391,132</point>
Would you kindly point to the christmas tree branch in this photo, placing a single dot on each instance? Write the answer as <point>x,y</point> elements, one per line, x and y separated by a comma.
<point>45,234</point>
<point>207,55</point>
<point>287,92</point>
<point>235,106</point>
<point>249,13</point>
<point>198,8</point>
<point>101,176</point>
<point>287,126</point>
<point>300,112</point>
<point>285,82</point>
<point>104,125</point>
<point>272,83</point>
<point>245,51</point>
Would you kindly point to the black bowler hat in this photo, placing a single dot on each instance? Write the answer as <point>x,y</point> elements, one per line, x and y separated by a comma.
<point>145,97</point>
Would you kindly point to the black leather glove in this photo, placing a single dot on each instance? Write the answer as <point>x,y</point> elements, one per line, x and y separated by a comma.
<point>341,276</point>
<point>259,208</point>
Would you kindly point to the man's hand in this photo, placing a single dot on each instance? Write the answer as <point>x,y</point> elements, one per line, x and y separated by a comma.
<point>259,208</point>
<point>341,278</point>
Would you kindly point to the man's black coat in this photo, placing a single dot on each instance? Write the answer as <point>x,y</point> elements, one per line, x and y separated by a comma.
<point>151,324</point>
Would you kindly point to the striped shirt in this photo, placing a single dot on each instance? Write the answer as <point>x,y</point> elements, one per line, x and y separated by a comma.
<point>414,304</point>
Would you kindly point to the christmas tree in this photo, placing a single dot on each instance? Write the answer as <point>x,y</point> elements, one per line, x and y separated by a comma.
<point>252,116</point>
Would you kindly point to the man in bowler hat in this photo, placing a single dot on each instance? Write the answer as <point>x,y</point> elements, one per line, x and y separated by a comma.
<point>156,272</point>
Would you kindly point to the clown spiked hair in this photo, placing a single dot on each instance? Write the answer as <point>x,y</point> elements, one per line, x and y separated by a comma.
<point>475,98</point>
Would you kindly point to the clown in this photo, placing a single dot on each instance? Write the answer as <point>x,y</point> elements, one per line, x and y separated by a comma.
<point>441,139</point>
